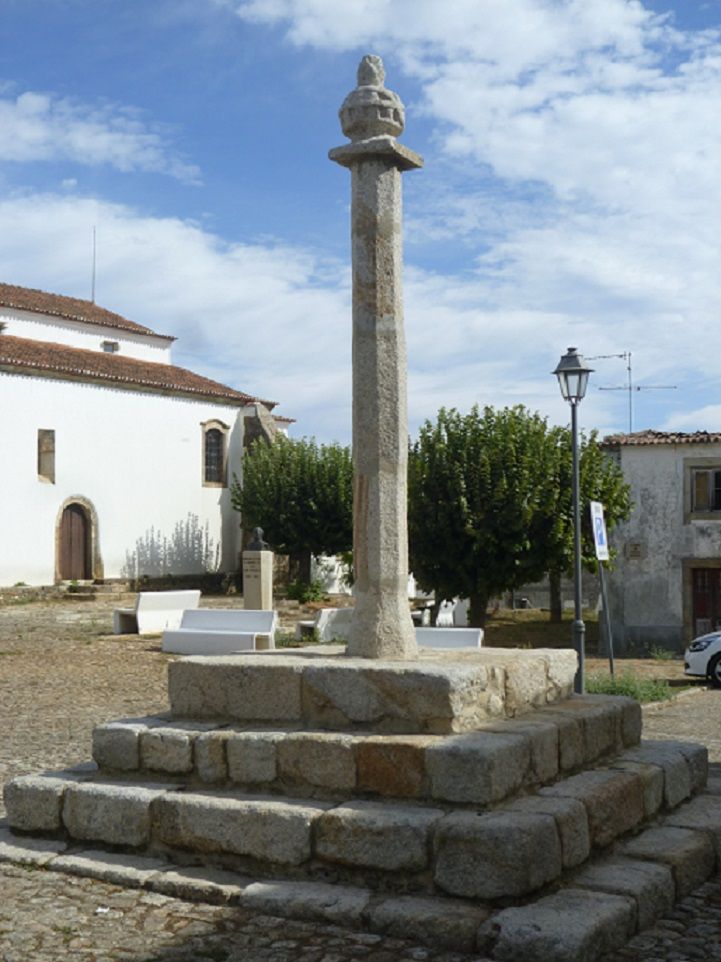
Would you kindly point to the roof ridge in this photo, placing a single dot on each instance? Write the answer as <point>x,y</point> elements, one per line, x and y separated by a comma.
<point>652,436</point>
<point>115,368</point>
<point>72,308</point>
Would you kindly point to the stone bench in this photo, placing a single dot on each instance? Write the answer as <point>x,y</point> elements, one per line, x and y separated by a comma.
<point>221,631</point>
<point>154,611</point>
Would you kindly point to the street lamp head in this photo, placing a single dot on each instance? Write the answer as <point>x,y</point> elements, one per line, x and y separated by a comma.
<point>572,373</point>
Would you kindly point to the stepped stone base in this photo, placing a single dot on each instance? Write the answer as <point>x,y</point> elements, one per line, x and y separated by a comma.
<point>463,800</point>
<point>593,910</point>
<point>441,692</point>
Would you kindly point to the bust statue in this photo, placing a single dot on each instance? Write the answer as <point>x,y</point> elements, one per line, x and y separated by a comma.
<point>257,544</point>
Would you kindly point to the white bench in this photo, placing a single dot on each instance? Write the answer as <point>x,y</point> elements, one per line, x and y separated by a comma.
<point>221,631</point>
<point>449,637</point>
<point>331,624</point>
<point>154,611</point>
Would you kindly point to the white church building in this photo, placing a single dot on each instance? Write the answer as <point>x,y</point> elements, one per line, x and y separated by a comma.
<point>115,462</point>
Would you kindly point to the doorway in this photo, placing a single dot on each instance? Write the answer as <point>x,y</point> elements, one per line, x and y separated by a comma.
<point>706,593</point>
<point>75,544</point>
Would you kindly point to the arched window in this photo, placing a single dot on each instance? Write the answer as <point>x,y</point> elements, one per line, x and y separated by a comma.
<point>214,453</point>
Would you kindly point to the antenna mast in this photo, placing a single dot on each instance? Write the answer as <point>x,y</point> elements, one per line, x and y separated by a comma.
<point>92,285</point>
<point>629,385</point>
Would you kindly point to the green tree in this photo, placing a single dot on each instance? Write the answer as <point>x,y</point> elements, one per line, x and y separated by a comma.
<point>482,503</point>
<point>600,479</point>
<point>301,494</point>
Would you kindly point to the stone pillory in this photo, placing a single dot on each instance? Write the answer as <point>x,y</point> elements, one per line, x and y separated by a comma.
<point>372,117</point>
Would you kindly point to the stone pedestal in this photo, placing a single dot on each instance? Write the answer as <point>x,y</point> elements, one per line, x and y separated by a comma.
<point>441,692</point>
<point>258,580</point>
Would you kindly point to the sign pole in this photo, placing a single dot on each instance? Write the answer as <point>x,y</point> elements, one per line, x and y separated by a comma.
<point>600,540</point>
<point>607,618</point>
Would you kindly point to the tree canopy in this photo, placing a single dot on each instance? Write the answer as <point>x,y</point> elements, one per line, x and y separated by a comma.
<point>490,501</point>
<point>600,479</point>
<point>301,494</point>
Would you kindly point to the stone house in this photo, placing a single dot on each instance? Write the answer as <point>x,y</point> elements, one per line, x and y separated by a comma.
<point>115,462</point>
<point>666,585</point>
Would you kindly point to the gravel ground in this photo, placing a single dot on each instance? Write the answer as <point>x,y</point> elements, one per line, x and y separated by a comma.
<point>61,673</point>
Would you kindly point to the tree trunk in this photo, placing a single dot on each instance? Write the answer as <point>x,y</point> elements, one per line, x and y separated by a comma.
<point>300,567</point>
<point>477,610</point>
<point>435,609</point>
<point>554,591</point>
<point>305,565</point>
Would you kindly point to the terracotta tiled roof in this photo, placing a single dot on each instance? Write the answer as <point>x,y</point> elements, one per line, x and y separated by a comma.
<point>22,355</point>
<point>283,420</point>
<point>72,308</point>
<point>662,437</point>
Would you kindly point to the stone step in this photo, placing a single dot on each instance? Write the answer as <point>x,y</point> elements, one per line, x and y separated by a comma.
<point>483,767</point>
<point>605,903</point>
<point>595,910</point>
<point>508,851</point>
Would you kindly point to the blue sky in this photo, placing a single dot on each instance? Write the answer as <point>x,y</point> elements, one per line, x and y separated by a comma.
<point>571,193</point>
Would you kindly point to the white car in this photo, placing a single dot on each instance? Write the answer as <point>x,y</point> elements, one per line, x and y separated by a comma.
<point>703,658</point>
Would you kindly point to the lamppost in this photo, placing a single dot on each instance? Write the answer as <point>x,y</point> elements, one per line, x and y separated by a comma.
<point>572,374</point>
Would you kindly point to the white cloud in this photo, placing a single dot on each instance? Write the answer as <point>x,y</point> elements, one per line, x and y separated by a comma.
<point>275,320</point>
<point>261,317</point>
<point>579,95</point>
<point>576,167</point>
<point>513,32</point>
<point>706,418</point>
<point>578,152</point>
<point>42,127</point>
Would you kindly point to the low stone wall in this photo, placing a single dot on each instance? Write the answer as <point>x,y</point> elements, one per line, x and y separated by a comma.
<point>209,583</point>
<point>24,594</point>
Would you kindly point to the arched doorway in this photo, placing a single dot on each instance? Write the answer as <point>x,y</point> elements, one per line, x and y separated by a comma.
<point>74,553</point>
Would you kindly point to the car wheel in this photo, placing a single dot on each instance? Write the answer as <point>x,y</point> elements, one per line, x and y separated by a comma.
<point>714,671</point>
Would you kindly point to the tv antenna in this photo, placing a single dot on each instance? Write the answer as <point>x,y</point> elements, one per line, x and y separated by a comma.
<point>629,386</point>
<point>92,284</point>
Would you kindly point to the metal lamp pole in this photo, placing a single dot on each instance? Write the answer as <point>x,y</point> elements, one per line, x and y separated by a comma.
<point>579,628</point>
<point>572,374</point>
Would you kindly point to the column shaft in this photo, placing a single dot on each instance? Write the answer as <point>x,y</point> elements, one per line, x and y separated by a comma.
<point>382,624</point>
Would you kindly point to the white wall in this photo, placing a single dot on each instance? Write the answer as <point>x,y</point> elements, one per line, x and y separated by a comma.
<point>137,457</point>
<point>646,593</point>
<point>58,330</point>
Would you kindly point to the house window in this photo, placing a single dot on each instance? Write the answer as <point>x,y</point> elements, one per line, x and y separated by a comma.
<point>214,453</point>
<point>110,347</point>
<point>46,455</point>
<point>706,489</point>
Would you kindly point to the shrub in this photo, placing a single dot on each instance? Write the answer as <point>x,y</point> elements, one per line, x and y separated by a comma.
<point>642,689</point>
<point>300,591</point>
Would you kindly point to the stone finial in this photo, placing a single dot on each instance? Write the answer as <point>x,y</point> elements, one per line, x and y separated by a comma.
<point>371,72</point>
<point>371,110</point>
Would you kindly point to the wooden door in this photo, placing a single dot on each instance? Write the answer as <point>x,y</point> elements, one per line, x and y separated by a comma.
<point>706,600</point>
<point>74,544</point>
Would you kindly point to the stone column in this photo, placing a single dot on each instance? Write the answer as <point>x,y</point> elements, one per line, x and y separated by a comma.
<point>372,117</point>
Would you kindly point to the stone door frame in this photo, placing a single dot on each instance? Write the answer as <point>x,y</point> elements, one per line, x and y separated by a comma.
<point>94,561</point>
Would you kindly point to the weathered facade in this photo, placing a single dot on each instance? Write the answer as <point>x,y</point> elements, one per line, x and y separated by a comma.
<point>116,463</point>
<point>666,585</point>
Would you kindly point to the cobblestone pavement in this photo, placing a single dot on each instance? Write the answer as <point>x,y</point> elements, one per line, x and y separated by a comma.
<point>61,673</point>
<point>47,917</point>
